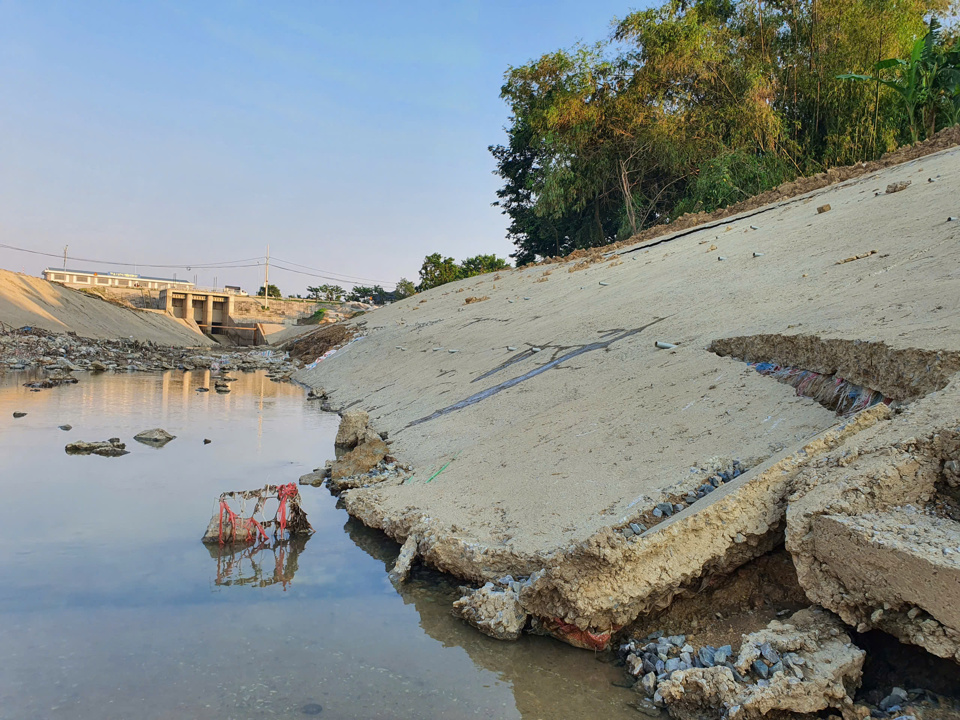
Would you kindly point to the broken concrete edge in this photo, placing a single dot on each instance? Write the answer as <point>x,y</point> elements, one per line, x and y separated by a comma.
<point>901,374</point>
<point>585,593</point>
<point>864,501</point>
<point>810,661</point>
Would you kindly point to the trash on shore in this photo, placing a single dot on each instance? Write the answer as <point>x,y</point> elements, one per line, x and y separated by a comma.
<point>664,345</point>
<point>230,526</point>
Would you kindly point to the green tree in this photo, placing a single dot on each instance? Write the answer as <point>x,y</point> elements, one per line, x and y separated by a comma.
<point>437,270</point>
<point>361,293</point>
<point>274,292</point>
<point>405,288</point>
<point>694,104</point>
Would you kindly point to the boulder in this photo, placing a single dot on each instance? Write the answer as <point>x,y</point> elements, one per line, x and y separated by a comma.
<point>354,430</point>
<point>362,459</point>
<point>105,448</point>
<point>157,437</point>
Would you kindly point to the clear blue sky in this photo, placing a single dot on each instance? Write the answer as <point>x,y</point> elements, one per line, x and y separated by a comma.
<point>350,136</point>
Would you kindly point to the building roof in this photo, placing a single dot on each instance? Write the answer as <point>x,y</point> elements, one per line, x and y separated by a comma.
<point>130,276</point>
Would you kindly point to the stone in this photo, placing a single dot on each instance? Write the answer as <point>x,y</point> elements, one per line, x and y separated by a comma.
<point>649,684</point>
<point>707,656</point>
<point>823,208</point>
<point>362,459</point>
<point>157,437</point>
<point>66,428</point>
<point>353,430</point>
<point>207,441</point>
<point>104,448</point>
<point>97,367</point>
<point>835,671</point>
<point>769,654</point>
<point>493,611</point>
<point>19,414</point>
<point>723,654</point>
<point>637,528</point>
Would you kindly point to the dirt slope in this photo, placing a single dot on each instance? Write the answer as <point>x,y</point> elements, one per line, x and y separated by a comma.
<point>26,300</point>
<point>541,420</point>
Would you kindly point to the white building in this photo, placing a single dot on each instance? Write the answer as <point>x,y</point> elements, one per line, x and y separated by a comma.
<point>87,278</point>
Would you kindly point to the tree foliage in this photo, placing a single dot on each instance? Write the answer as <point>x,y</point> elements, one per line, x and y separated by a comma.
<point>438,270</point>
<point>326,292</point>
<point>695,104</point>
<point>274,292</point>
<point>405,288</point>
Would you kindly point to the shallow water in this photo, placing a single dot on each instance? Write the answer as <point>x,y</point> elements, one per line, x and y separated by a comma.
<point>111,607</point>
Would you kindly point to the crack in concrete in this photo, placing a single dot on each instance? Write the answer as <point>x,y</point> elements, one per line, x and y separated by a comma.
<point>489,392</point>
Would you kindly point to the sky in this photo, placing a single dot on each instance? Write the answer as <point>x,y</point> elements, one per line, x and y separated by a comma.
<point>350,137</point>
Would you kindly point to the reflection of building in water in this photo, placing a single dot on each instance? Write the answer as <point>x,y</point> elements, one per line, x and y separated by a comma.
<point>261,564</point>
<point>549,679</point>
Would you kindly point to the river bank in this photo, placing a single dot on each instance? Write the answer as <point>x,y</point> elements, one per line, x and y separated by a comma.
<point>591,441</point>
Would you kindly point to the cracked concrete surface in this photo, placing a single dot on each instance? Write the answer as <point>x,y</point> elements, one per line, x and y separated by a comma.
<point>543,476</point>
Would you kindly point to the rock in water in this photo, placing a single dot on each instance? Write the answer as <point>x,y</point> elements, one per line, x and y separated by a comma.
<point>493,610</point>
<point>66,428</point>
<point>105,448</point>
<point>157,437</point>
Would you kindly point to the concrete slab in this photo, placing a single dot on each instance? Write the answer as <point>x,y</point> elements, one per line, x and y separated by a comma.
<point>542,421</point>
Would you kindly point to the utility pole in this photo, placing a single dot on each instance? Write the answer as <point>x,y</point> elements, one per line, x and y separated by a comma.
<point>65,256</point>
<point>266,280</point>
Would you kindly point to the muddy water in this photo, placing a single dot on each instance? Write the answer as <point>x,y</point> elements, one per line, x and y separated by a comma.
<point>110,607</point>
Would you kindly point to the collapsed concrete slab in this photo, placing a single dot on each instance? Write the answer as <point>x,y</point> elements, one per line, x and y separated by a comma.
<point>871,536</point>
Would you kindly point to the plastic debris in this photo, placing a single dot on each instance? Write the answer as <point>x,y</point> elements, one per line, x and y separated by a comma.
<point>229,526</point>
<point>756,254</point>
<point>664,345</point>
<point>831,391</point>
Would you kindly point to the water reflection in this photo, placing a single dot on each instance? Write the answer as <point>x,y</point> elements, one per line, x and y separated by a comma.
<point>106,609</point>
<point>243,564</point>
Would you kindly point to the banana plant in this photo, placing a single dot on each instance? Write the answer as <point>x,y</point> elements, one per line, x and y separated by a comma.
<point>930,78</point>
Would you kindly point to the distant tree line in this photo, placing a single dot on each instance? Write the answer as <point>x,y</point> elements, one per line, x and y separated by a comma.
<point>696,104</point>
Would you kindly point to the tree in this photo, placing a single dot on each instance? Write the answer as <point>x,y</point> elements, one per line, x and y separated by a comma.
<point>437,270</point>
<point>405,288</point>
<point>274,292</point>
<point>361,293</point>
<point>695,104</point>
<point>326,292</point>
<point>926,82</point>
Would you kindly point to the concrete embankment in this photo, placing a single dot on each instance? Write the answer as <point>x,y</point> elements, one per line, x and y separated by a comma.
<point>551,439</point>
<point>30,301</point>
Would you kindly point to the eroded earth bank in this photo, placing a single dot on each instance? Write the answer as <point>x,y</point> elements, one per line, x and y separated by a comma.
<point>730,455</point>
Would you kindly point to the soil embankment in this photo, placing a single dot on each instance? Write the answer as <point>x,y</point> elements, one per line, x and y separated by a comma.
<point>30,301</point>
<point>550,438</point>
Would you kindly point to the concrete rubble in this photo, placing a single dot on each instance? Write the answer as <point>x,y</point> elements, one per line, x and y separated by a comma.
<point>494,609</point>
<point>798,666</point>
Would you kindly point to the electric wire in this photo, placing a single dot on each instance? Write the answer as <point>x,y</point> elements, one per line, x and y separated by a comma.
<point>346,278</point>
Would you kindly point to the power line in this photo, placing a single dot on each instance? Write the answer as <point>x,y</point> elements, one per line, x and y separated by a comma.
<point>224,264</point>
<point>278,266</point>
<point>345,278</point>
